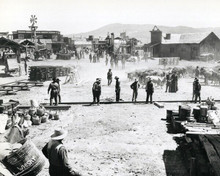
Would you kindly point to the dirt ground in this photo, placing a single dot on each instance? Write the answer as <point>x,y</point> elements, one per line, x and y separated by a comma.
<point>113,139</point>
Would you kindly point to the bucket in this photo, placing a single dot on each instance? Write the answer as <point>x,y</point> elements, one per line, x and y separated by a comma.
<point>32,111</point>
<point>184,112</point>
<point>56,117</point>
<point>196,113</point>
<point>26,161</point>
<point>44,118</point>
<point>36,120</point>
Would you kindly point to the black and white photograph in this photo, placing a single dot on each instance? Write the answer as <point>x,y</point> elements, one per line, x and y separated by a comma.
<point>109,88</point>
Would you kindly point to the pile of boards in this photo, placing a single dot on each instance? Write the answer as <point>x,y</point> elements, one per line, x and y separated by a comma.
<point>61,56</point>
<point>22,85</point>
<point>45,73</point>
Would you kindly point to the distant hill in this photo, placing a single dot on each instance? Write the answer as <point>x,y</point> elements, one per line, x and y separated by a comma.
<point>142,31</point>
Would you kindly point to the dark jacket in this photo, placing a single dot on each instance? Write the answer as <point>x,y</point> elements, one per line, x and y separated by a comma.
<point>135,85</point>
<point>149,87</point>
<point>117,86</point>
<point>57,156</point>
<point>109,75</point>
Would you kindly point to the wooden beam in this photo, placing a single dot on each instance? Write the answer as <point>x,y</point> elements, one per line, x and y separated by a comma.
<point>159,105</point>
<point>58,107</point>
<point>212,154</point>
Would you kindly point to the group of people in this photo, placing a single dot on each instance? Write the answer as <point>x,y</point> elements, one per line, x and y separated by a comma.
<point>96,89</point>
<point>171,82</point>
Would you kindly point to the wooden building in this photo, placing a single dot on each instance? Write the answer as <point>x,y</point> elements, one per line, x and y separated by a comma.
<point>190,46</point>
<point>52,40</point>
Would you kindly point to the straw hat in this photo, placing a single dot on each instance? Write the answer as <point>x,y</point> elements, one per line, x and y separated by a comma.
<point>59,134</point>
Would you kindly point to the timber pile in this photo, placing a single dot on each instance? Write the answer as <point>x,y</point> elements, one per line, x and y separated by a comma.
<point>201,153</point>
<point>199,121</point>
<point>61,56</point>
<point>13,87</point>
<point>45,73</point>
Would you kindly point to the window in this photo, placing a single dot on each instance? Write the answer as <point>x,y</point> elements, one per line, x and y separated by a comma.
<point>172,50</point>
<point>20,36</point>
<point>183,49</point>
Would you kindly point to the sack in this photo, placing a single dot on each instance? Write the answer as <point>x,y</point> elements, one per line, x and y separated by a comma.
<point>26,161</point>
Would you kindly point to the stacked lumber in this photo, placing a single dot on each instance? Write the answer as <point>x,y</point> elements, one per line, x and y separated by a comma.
<point>61,56</point>
<point>45,73</point>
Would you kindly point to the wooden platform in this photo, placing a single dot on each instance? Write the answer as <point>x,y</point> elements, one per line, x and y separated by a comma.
<point>211,144</point>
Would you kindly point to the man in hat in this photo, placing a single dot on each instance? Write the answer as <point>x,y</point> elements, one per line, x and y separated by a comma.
<point>109,77</point>
<point>56,153</point>
<point>96,90</point>
<point>135,86</point>
<point>53,89</point>
<point>197,89</point>
<point>58,94</point>
<point>150,90</point>
<point>117,89</point>
<point>168,82</point>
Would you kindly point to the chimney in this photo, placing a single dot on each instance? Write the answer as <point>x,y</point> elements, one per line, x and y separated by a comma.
<point>156,35</point>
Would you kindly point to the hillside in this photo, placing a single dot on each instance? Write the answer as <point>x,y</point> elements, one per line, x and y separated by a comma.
<point>141,31</point>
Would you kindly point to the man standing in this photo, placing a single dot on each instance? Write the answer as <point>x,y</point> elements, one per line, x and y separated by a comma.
<point>168,82</point>
<point>117,89</point>
<point>58,94</point>
<point>90,57</point>
<point>197,90</point>
<point>96,90</point>
<point>25,65</point>
<point>53,89</point>
<point>150,90</point>
<point>135,86</point>
<point>109,77</point>
<point>56,153</point>
<point>197,72</point>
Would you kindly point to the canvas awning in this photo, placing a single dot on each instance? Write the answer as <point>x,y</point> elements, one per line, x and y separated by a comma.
<point>4,42</point>
<point>27,43</point>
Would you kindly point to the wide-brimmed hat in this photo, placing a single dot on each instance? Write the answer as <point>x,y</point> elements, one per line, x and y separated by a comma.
<point>116,77</point>
<point>59,134</point>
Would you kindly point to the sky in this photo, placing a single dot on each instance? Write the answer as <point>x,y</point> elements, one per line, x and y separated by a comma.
<point>76,16</point>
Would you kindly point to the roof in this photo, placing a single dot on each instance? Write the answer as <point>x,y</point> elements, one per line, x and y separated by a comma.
<point>184,38</point>
<point>8,43</point>
<point>26,42</point>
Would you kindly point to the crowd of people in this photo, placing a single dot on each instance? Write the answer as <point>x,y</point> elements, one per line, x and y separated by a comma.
<point>171,86</point>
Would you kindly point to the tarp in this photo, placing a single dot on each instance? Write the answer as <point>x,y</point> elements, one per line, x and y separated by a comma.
<point>27,43</point>
<point>8,43</point>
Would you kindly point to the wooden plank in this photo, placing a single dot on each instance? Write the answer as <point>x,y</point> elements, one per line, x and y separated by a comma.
<point>212,154</point>
<point>159,105</point>
<point>59,107</point>
<point>214,141</point>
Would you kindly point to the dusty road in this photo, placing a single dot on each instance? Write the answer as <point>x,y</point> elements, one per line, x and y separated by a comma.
<point>117,139</point>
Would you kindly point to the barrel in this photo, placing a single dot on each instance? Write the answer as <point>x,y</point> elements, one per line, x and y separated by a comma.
<point>203,111</point>
<point>196,113</point>
<point>169,115</point>
<point>184,112</point>
<point>26,161</point>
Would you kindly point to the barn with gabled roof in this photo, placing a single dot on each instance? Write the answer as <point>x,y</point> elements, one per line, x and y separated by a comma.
<point>189,46</point>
